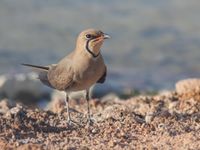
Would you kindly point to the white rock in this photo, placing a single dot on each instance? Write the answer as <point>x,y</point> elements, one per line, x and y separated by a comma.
<point>188,85</point>
<point>111,96</point>
<point>4,106</point>
<point>12,85</point>
<point>2,80</point>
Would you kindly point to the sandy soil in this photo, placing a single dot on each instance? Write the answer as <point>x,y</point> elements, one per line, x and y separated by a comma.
<point>165,121</point>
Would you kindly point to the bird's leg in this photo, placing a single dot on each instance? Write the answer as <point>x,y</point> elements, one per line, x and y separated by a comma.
<point>69,120</point>
<point>87,96</point>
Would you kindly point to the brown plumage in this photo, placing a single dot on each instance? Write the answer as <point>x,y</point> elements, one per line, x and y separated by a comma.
<point>79,70</point>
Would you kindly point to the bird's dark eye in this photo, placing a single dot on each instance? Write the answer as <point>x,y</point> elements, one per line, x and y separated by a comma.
<point>88,36</point>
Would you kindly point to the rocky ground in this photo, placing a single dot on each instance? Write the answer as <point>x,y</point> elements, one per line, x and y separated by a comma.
<point>170,120</point>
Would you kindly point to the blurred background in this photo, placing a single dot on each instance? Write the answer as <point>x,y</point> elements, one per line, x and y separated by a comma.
<point>154,43</point>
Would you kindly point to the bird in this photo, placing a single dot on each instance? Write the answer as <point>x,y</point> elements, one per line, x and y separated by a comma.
<point>79,70</point>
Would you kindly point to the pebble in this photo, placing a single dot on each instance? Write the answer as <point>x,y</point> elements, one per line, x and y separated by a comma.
<point>149,117</point>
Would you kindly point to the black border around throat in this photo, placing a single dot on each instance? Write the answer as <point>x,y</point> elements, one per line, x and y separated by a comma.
<point>88,49</point>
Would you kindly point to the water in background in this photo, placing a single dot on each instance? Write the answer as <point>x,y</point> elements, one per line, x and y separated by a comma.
<point>154,43</point>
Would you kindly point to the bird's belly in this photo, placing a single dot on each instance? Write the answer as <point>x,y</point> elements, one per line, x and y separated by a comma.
<point>86,80</point>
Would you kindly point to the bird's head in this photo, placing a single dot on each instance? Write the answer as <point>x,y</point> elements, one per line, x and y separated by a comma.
<point>91,40</point>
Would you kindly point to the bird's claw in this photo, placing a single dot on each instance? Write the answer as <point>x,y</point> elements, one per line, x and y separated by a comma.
<point>90,121</point>
<point>71,122</point>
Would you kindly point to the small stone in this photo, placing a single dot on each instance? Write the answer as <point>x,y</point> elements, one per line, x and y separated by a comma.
<point>110,98</point>
<point>116,112</point>
<point>161,126</point>
<point>15,111</point>
<point>149,117</point>
<point>95,131</point>
<point>4,106</point>
<point>111,143</point>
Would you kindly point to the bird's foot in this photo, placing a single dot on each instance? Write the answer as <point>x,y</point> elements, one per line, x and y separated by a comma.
<point>90,121</point>
<point>71,122</point>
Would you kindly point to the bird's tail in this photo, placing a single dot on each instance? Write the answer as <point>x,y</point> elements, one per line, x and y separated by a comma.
<point>42,73</point>
<point>46,68</point>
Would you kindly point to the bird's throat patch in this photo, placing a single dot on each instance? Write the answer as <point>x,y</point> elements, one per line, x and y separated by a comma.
<point>90,51</point>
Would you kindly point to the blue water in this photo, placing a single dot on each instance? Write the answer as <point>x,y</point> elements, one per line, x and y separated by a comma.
<point>154,43</point>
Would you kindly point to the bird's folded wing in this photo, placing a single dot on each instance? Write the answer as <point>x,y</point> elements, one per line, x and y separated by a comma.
<point>61,77</point>
<point>103,77</point>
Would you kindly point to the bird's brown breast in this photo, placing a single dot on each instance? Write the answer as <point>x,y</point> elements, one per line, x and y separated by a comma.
<point>87,73</point>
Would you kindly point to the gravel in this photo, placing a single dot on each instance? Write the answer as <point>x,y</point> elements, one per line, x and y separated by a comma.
<point>166,121</point>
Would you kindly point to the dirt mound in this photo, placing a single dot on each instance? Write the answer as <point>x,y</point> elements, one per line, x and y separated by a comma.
<point>151,122</point>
